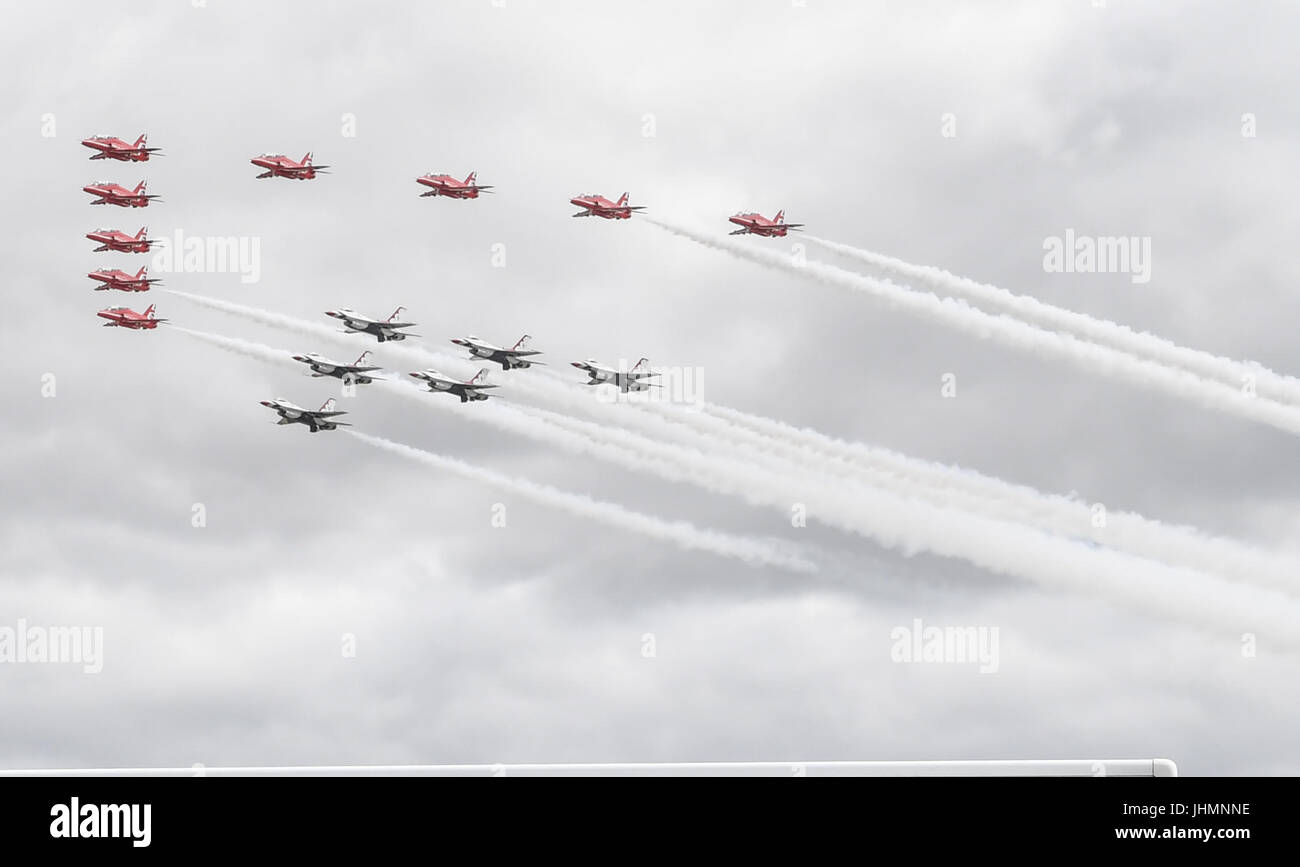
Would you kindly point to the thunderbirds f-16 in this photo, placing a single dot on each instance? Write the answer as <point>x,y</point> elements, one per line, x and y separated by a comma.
<point>113,194</point>
<point>446,185</point>
<point>315,419</point>
<point>122,281</point>
<point>626,381</point>
<point>757,224</point>
<point>470,390</point>
<point>281,166</point>
<point>598,206</point>
<point>124,317</point>
<point>354,372</point>
<point>509,359</point>
<point>121,242</point>
<point>113,148</point>
<point>384,329</point>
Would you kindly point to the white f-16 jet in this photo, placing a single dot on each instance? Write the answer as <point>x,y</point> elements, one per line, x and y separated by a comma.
<point>473,389</point>
<point>509,359</point>
<point>354,372</point>
<point>384,329</point>
<point>626,380</point>
<point>315,419</point>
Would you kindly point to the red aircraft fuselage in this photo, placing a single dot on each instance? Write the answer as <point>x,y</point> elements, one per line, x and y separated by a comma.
<point>757,224</point>
<point>599,206</point>
<point>124,317</point>
<point>115,194</point>
<point>122,281</point>
<point>113,148</point>
<point>446,185</point>
<point>281,166</point>
<point>121,242</point>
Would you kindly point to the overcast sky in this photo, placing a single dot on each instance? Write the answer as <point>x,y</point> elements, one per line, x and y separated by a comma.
<point>525,643</point>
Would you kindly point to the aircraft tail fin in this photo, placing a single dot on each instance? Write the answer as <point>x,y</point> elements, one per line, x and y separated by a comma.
<point>645,362</point>
<point>480,377</point>
<point>395,312</point>
<point>328,406</point>
<point>361,359</point>
<point>470,178</point>
<point>523,342</point>
<point>306,160</point>
<point>141,187</point>
<point>780,216</point>
<point>149,311</point>
<point>144,230</point>
<point>143,272</point>
<point>622,200</point>
<point>141,141</point>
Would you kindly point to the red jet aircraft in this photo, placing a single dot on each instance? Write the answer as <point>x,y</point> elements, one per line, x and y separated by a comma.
<point>280,166</point>
<point>124,317</point>
<point>121,242</point>
<point>112,148</point>
<point>446,185</point>
<point>599,206</point>
<point>123,281</point>
<point>757,224</point>
<point>113,194</point>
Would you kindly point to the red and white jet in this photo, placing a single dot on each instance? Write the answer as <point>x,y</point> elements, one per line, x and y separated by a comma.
<point>626,380</point>
<point>281,166</point>
<point>354,372</point>
<point>473,389</point>
<point>757,224</point>
<point>315,419</point>
<point>515,356</point>
<point>125,317</point>
<point>115,194</point>
<point>113,148</point>
<point>121,242</point>
<point>382,329</point>
<point>598,206</point>
<point>446,185</point>
<point>122,281</point>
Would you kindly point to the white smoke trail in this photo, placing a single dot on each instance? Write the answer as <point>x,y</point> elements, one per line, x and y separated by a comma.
<point>1142,343</point>
<point>680,533</point>
<point>737,476</point>
<point>414,355</point>
<point>1014,332</point>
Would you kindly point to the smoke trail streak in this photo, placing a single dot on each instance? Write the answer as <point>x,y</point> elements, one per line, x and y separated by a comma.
<point>1122,337</point>
<point>680,533</point>
<point>1014,332</point>
<point>848,507</point>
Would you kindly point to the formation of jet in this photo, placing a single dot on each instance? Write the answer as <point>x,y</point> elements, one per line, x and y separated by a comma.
<point>383,329</point>
<point>315,419</point>
<point>112,148</point>
<point>122,281</point>
<point>115,194</point>
<point>598,206</point>
<point>121,242</point>
<point>354,372</point>
<point>757,224</point>
<point>125,317</point>
<point>629,380</point>
<point>281,166</point>
<point>515,357</point>
<point>472,389</point>
<point>446,185</point>
<point>509,359</point>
